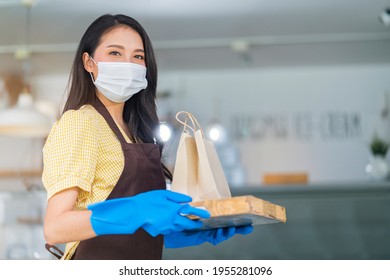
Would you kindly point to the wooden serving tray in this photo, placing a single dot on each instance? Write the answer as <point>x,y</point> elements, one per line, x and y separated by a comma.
<point>240,211</point>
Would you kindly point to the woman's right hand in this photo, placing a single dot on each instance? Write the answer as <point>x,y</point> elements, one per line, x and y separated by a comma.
<point>157,212</point>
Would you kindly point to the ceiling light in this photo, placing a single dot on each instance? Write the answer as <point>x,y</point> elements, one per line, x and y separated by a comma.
<point>22,53</point>
<point>240,46</point>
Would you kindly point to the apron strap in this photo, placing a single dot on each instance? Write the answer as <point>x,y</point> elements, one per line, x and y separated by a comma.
<point>99,106</point>
<point>58,254</point>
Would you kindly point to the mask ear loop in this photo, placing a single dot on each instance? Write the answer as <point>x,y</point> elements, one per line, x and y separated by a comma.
<point>90,73</point>
<point>90,56</point>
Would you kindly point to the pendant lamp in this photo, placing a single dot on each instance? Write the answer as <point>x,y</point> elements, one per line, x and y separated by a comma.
<point>23,119</point>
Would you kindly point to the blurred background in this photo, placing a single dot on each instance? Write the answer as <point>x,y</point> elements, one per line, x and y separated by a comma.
<point>293,94</point>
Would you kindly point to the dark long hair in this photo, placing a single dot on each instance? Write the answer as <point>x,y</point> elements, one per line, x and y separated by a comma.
<point>140,112</point>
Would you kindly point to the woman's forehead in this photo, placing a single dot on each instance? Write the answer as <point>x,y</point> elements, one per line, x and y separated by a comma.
<point>122,35</point>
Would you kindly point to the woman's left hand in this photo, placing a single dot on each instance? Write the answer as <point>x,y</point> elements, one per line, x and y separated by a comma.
<point>192,238</point>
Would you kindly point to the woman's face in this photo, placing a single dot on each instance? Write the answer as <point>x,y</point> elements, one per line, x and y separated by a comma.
<point>121,44</point>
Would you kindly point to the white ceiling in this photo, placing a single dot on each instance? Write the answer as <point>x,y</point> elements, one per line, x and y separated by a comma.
<point>199,34</point>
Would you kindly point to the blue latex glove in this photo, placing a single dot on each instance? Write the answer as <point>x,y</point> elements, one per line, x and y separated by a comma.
<point>157,212</point>
<point>193,238</point>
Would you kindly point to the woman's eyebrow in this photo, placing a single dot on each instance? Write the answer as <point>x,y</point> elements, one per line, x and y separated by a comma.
<point>116,46</point>
<point>122,48</point>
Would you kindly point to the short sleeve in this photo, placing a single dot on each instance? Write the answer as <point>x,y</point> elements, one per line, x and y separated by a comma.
<point>70,153</point>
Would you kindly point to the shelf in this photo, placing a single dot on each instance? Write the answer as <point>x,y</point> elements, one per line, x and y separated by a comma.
<point>20,173</point>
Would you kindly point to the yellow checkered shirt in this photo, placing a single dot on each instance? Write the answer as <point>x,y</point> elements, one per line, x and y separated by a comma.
<point>82,150</point>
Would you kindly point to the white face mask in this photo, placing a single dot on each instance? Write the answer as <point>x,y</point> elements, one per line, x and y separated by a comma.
<point>118,81</point>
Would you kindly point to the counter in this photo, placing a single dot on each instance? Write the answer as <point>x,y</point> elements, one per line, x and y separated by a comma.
<point>324,221</point>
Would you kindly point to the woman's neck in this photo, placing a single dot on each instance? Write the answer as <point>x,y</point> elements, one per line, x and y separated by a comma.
<point>115,109</point>
<point>116,112</point>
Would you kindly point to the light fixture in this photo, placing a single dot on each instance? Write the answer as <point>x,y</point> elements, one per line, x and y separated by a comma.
<point>217,133</point>
<point>165,132</point>
<point>242,47</point>
<point>23,119</point>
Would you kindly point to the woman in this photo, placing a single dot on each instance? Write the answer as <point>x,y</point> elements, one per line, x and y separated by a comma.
<point>106,185</point>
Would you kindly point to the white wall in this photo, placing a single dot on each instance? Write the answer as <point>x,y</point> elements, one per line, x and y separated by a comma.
<point>323,93</point>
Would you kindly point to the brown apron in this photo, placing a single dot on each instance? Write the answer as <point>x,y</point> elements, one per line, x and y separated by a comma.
<point>142,172</point>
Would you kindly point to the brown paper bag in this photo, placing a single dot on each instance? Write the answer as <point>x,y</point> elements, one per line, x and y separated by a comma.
<point>198,171</point>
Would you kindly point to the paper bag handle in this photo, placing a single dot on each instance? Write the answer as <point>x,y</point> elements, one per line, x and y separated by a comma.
<point>195,124</point>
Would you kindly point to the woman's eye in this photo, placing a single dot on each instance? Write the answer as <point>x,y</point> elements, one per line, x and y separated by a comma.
<point>138,56</point>
<point>115,53</point>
